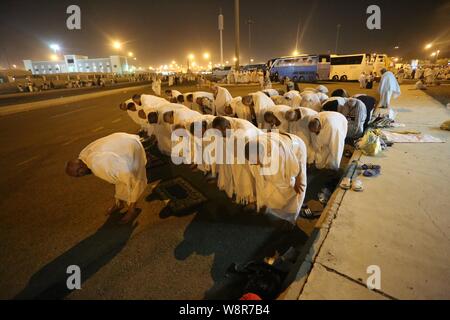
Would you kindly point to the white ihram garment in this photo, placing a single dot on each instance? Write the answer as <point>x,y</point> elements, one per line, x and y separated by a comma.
<point>329,143</point>
<point>119,159</point>
<point>222,99</point>
<point>389,88</point>
<point>275,190</point>
<point>301,130</point>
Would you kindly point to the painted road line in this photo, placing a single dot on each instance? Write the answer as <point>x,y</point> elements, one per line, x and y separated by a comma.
<point>69,142</point>
<point>27,161</point>
<point>98,129</point>
<point>117,120</point>
<point>68,112</point>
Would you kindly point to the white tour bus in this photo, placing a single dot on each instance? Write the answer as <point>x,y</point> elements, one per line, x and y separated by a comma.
<point>350,67</point>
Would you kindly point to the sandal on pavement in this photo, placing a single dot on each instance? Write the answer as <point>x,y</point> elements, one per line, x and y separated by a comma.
<point>371,173</point>
<point>357,185</point>
<point>346,183</point>
<point>307,213</point>
<point>371,166</point>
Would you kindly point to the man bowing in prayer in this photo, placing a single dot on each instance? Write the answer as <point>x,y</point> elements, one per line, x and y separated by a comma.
<point>278,165</point>
<point>118,159</point>
<point>388,88</point>
<point>328,131</point>
<point>222,98</point>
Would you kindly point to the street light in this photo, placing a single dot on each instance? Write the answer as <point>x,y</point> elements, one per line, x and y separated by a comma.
<point>55,47</point>
<point>428,46</point>
<point>251,60</point>
<point>190,58</point>
<point>130,54</point>
<point>206,56</point>
<point>433,54</point>
<point>53,57</point>
<point>117,45</point>
<point>295,53</point>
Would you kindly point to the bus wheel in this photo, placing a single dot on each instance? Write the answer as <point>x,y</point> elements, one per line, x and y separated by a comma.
<point>344,78</point>
<point>335,78</point>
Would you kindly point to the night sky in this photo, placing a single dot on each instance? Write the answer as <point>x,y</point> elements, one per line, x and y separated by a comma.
<point>165,30</point>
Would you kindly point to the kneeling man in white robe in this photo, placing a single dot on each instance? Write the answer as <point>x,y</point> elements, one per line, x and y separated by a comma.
<point>118,159</point>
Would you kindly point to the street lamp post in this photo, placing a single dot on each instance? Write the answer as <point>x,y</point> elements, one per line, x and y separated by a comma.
<point>250,22</point>
<point>236,33</point>
<point>221,36</point>
<point>338,27</point>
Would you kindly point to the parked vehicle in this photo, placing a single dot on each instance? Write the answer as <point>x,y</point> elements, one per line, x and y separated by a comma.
<point>220,72</point>
<point>301,68</point>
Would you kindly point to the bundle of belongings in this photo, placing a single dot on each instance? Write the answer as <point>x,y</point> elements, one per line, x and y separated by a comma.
<point>265,278</point>
<point>373,142</point>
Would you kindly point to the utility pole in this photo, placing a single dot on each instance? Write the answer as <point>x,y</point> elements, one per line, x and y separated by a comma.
<point>221,36</point>
<point>236,33</point>
<point>250,22</point>
<point>338,27</point>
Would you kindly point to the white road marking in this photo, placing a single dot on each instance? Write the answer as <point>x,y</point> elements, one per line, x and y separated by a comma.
<point>98,129</point>
<point>117,120</point>
<point>69,142</point>
<point>28,160</point>
<point>67,113</point>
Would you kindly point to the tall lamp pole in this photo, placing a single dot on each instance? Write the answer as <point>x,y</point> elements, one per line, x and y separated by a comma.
<point>236,33</point>
<point>250,22</point>
<point>221,36</point>
<point>338,27</point>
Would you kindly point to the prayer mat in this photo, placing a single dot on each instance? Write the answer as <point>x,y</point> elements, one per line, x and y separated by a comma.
<point>155,161</point>
<point>181,194</point>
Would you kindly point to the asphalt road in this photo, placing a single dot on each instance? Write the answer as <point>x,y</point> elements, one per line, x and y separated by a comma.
<point>24,97</point>
<point>49,221</point>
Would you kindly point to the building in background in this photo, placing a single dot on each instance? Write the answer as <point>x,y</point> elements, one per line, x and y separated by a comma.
<point>79,64</point>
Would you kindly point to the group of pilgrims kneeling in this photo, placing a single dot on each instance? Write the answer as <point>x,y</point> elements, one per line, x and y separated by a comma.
<point>278,135</point>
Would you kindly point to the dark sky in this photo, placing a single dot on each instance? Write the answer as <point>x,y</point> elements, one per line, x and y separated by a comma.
<point>159,31</point>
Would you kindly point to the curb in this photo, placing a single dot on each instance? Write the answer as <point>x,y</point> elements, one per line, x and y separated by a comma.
<point>311,249</point>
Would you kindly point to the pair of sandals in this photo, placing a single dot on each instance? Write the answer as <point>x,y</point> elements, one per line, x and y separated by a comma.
<point>371,170</point>
<point>355,184</point>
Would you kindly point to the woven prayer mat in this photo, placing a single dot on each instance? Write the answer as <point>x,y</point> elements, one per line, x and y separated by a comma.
<point>182,196</point>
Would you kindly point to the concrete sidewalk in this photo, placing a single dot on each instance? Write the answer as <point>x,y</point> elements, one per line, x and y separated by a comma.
<point>401,222</point>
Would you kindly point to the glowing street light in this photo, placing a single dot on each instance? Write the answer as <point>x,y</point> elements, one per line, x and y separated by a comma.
<point>234,59</point>
<point>130,54</point>
<point>251,60</point>
<point>55,47</point>
<point>295,53</point>
<point>428,46</point>
<point>433,54</point>
<point>206,56</point>
<point>53,57</point>
<point>117,45</point>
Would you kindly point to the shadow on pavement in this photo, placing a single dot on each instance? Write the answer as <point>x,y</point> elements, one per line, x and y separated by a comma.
<point>90,255</point>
